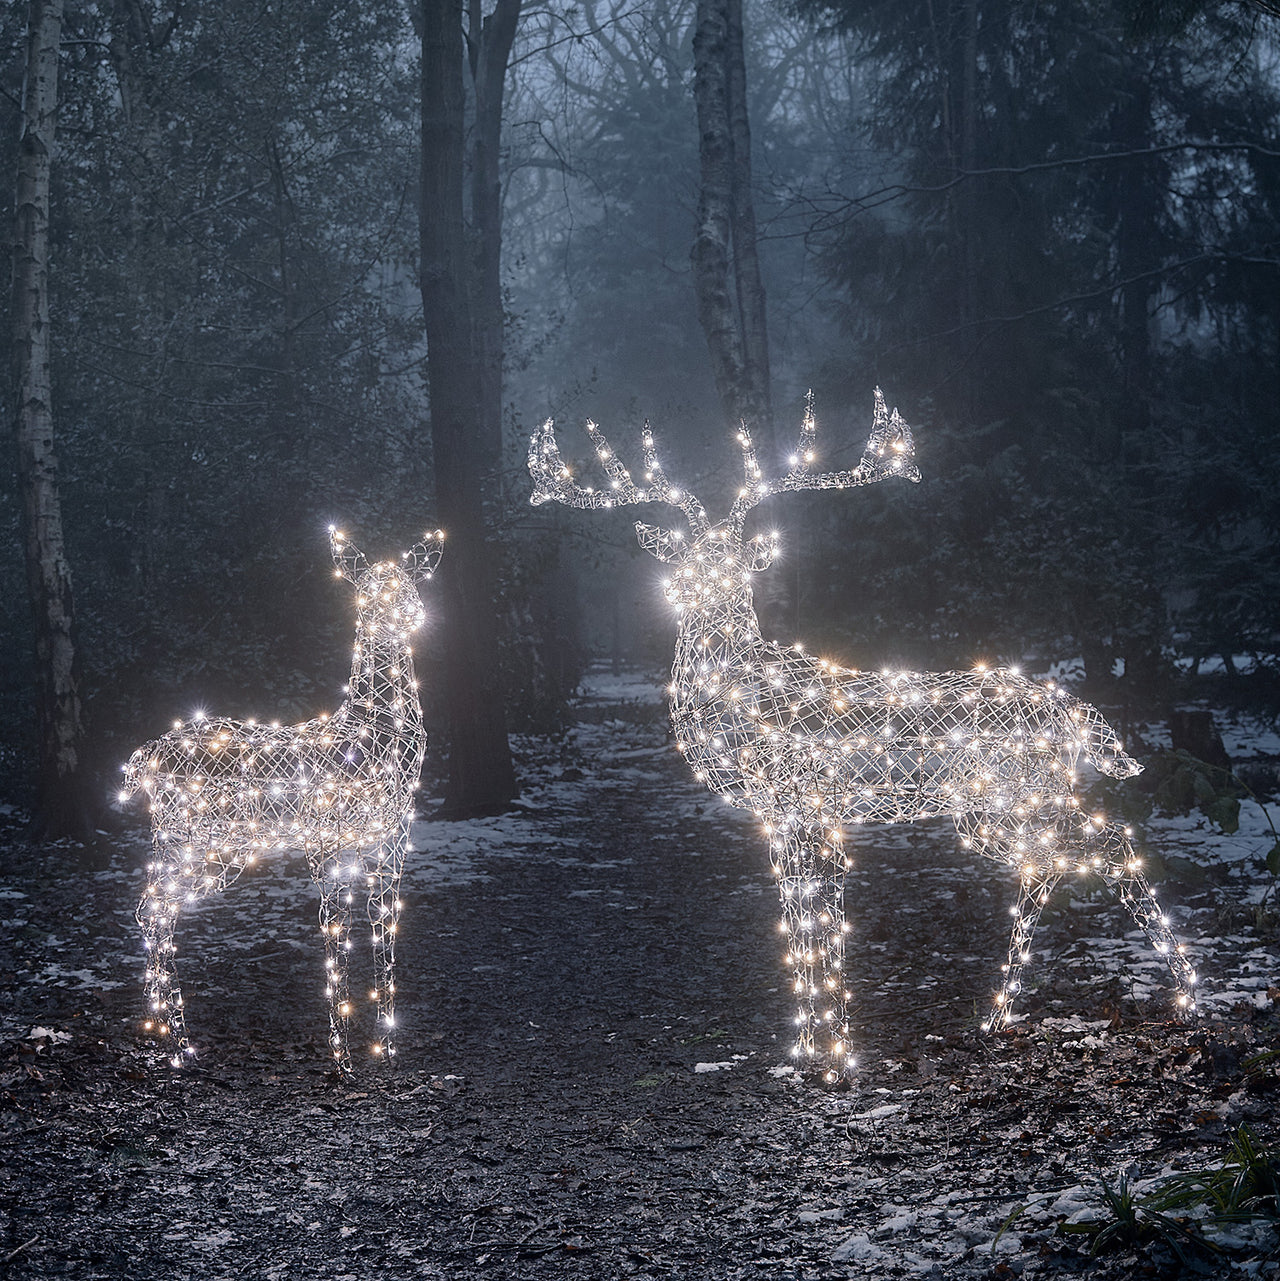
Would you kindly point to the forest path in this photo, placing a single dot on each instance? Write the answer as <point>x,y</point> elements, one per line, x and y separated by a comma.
<point>592,1078</point>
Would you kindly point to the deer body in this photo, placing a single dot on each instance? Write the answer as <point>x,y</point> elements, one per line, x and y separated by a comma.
<point>813,748</point>
<point>226,793</point>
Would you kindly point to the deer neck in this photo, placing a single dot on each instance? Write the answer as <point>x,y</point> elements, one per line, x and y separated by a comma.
<point>382,675</point>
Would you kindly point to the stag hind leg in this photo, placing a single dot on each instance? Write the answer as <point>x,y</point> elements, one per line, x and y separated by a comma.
<point>810,868</point>
<point>1108,853</point>
<point>335,877</point>
<point>158,915</point>
<point>1033,894</point>
<point>1113,857</point>
<point>384,920</point>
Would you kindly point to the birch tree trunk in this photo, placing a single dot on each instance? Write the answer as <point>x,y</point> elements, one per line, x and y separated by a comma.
<point>464,446</point>
<point>60,808</point>
<point>726,269</point>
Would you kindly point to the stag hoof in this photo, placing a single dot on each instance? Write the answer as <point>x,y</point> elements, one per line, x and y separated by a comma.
<point>831,1070</point>
<point>828,1075</point>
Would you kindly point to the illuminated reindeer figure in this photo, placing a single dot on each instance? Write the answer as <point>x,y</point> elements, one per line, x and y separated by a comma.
<point>225,793</point>
<point>812,748</point>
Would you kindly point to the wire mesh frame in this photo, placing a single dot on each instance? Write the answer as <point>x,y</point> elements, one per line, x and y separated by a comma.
<point>225,794</point>
<point>814,749</point>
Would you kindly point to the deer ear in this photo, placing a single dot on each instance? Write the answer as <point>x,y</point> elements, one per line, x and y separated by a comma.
<point>760,552</point>
<point>665,545</point>
<point>423,557</point>
<point>348,558</point>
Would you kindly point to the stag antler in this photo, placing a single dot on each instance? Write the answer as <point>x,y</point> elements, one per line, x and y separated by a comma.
<point>889,452</point>
<point>553,479</point>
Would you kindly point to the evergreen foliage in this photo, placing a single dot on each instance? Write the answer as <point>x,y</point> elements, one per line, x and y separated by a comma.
<point>1048,232</point>
<point>1072,286</point>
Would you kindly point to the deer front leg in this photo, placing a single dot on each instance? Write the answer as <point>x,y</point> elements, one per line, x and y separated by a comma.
<point>158,915</point>
<point>384,919</point>
<point>1036,887</point>
<point>1113,856</point>
<point>810,867</point>
<point>334,879</point>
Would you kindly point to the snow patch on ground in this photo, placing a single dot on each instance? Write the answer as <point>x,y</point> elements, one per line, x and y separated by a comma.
<point>600,685</point>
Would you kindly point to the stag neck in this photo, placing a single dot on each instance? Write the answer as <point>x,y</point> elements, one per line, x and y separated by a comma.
<point>726,624</point>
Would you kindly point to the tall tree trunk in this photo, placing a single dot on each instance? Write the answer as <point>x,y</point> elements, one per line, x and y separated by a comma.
<point>60,800</point>
<point>746,254</point>
<point>726,267</point>
<point>1141,192</point>
<point>489,47</point>
<point>966,202</point>
<point>481,776</point>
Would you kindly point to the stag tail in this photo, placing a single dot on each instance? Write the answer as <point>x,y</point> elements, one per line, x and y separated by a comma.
<point>133,772</point>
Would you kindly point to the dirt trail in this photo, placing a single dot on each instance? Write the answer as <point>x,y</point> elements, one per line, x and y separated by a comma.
<point>591,1081</point>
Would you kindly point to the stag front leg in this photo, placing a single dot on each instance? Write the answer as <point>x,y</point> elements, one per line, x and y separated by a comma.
<point>334,878</point>
<point>158,915</point>
<point>1112,854</point>
<point>384,919</point>
<point>810,868</point>
<point>1037,885</point>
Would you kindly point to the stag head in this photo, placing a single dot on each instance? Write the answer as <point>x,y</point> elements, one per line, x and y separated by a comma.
<point>715,562</point>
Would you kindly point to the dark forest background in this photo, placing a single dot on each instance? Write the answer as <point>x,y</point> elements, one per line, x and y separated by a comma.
<point>1050,232</point>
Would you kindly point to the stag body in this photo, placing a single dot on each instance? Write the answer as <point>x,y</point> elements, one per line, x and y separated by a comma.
<point>813,748</point>
<point>226,793</point>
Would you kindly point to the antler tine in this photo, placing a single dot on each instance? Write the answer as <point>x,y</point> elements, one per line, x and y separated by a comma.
<point>806,448</point>
<point>756,487</point>
<point>619,477</point>
<point>663,490</point>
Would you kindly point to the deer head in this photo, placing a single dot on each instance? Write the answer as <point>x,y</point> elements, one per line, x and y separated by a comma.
<point>715,563</point>
<point>387,592</point>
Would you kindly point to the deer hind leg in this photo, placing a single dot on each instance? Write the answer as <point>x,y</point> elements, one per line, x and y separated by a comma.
<point>1033,893</point>
<point>384,920</point>
<point>1113,856</point>
<point>810,870</point>
<point>334,878</point>
<point>158,915</point>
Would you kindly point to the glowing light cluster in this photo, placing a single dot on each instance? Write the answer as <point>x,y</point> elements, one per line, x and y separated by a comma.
<point>225,794</point>
<point>815,749</point>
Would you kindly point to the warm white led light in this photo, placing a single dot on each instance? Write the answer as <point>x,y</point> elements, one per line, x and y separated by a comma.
<point>811,747</point>
<point>224,793</point>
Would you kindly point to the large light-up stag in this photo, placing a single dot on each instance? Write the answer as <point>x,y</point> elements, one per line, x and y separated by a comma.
<point>225,794</point>
<point>814,749</point>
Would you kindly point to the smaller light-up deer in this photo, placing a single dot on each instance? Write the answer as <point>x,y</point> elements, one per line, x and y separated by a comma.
<point>812,748</point>
<point>225,793</point>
